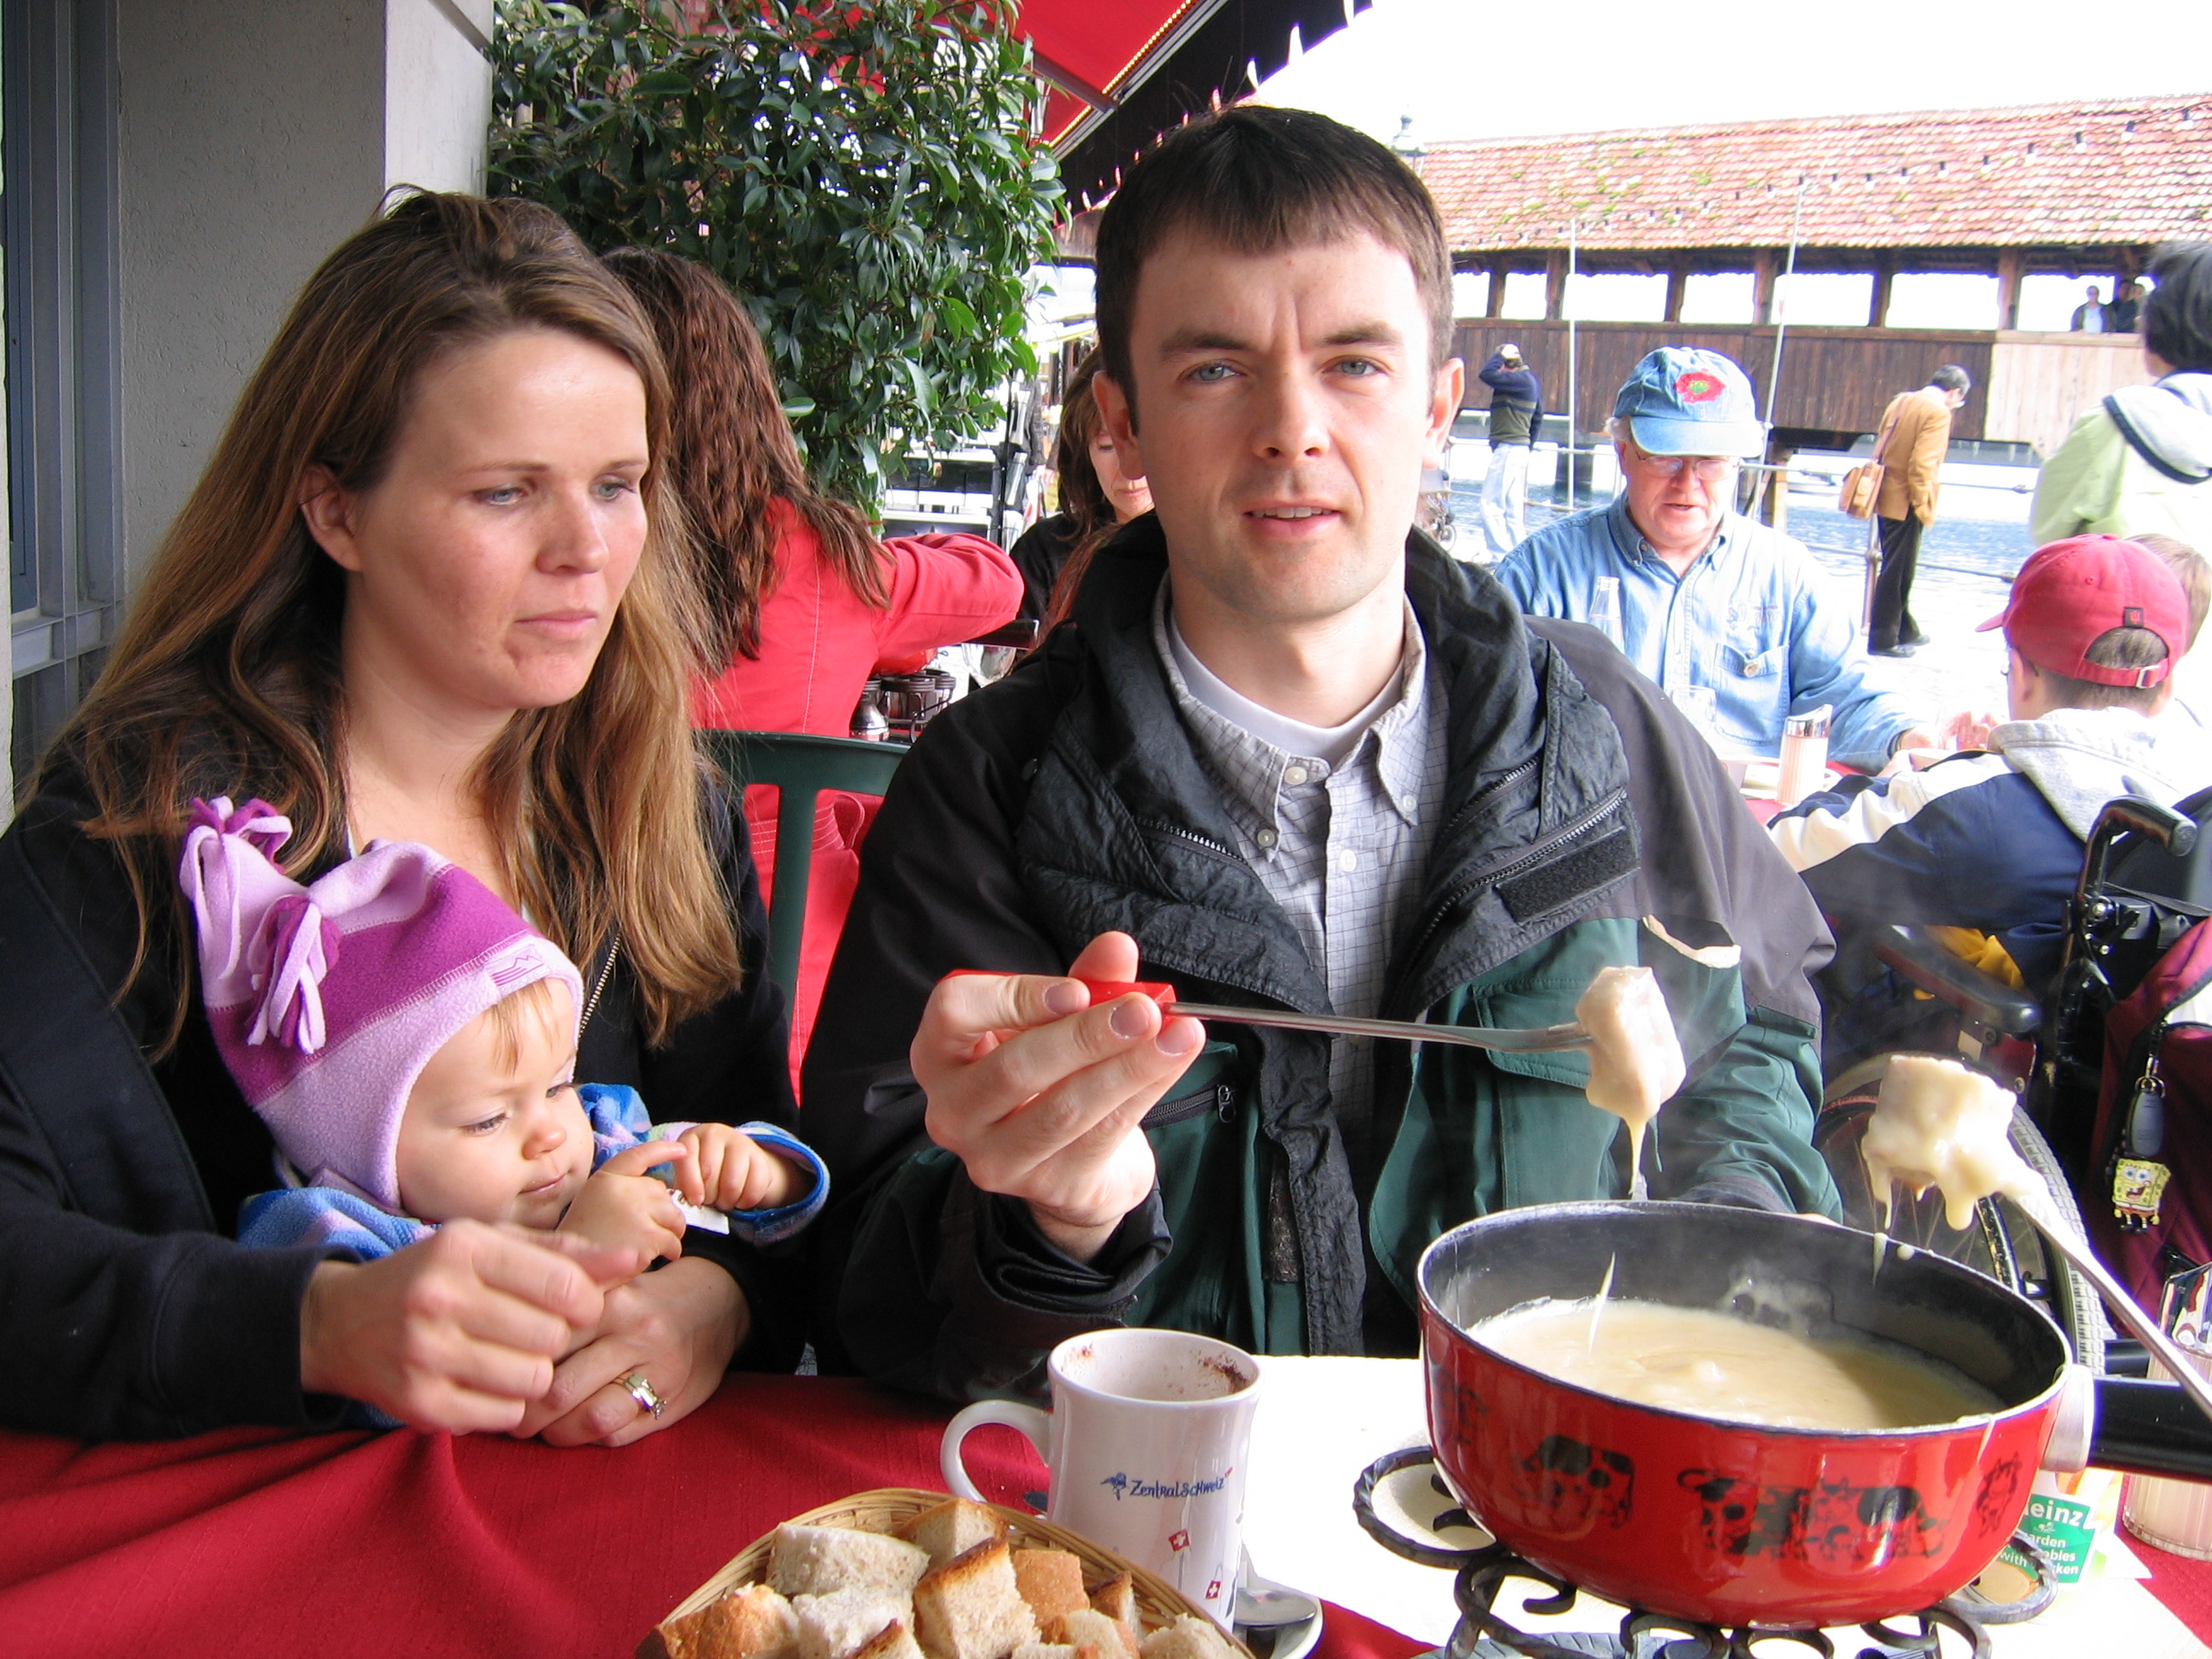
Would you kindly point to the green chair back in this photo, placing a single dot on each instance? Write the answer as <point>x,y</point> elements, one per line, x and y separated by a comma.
<point>800,765</point>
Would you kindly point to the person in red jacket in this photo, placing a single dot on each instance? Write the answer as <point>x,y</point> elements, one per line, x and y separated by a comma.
<point>801,601</point>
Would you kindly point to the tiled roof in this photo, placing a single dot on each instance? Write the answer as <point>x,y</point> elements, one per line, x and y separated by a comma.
<point>2127,171</point>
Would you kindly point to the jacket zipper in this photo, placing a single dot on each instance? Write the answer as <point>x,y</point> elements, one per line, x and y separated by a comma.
<point>1192,836</point>
<point>607,973</point>
<point>1496,786</point>
<point>1219,1098</point>
<point>1535,855</point>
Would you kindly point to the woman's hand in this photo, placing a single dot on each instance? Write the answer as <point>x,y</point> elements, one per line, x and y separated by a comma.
<point>676,1328</point>
<point>460,1332</point>
<point>1040,1095</point>
<point>631,1214</point>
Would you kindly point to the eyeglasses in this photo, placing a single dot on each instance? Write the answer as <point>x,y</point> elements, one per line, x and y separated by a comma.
<point>1709,469</point>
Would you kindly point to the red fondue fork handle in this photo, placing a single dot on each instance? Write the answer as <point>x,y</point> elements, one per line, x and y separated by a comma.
<point>1508,1039</point>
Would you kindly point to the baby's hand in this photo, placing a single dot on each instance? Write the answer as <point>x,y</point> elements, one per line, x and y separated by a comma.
<point>630,1212</point>
<point>730,1170</point>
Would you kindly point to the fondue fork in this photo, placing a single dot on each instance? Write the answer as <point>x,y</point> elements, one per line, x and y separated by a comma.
<point>2132,1319</point>
<point>1506,1039</point>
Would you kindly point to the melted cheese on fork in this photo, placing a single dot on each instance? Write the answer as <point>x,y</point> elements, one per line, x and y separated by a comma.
<point>1636,1060</point>
<point>1938,1124</point>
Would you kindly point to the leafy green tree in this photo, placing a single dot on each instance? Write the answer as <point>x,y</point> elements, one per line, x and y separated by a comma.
<point>862,172</point>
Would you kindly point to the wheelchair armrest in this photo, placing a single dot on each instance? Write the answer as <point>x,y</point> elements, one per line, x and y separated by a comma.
<point>2134,815</point>
<point>1986,1001</point>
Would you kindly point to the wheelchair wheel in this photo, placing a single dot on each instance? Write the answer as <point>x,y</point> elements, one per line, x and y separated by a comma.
<point>1999,1242</point>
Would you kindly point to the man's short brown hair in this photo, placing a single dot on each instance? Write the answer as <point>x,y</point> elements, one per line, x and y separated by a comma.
<point>1257,180</point>
<point>2116,648</point>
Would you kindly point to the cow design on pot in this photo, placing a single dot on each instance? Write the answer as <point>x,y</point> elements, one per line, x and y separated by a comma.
<point>1834,1526</point>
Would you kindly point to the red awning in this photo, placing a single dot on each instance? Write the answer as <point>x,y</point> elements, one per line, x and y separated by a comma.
<point>1087,50</point>
<point>1124,71</point>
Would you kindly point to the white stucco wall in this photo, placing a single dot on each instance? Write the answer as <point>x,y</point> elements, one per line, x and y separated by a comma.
<point>255,135</point>
<point>437,92</point>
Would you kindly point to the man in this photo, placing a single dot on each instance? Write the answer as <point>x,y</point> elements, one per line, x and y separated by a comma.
<point>2127,306</point>
<point>1516,410</point>
<point>1288,755</point>
<point>2089,315</point>
<point>1915,437</point>
<point>1709,597</point>
<point>1992,842</point>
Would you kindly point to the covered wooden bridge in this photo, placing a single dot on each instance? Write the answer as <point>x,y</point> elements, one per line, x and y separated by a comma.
<point>2084,189</point>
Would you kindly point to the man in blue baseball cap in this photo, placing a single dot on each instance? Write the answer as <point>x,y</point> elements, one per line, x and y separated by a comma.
<point>1708,598</point>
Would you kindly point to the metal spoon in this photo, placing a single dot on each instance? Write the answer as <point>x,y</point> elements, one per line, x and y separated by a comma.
<point>1263,1604</point>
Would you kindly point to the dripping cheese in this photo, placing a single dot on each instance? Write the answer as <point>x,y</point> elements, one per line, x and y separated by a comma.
<point>1636,1060</point>
<point>1937,1124</point>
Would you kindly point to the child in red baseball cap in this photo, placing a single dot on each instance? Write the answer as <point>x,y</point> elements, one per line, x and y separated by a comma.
<point>1991,841</point>
<point>2066,599</point>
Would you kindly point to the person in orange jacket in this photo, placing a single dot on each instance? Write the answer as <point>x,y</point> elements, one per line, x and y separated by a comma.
<point>1916,435</point>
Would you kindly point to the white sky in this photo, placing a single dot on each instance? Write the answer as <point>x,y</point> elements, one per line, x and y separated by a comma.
<point>1476,69</point>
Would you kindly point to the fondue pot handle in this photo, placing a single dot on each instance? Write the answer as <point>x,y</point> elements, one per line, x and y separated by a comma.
<point>2130,1318</point>
<point>2150,1428</point>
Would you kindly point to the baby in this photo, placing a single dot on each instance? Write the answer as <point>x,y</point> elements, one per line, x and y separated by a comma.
<point>411,1044</point>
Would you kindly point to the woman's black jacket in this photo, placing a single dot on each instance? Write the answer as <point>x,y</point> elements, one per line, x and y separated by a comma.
<point>126,1312</point>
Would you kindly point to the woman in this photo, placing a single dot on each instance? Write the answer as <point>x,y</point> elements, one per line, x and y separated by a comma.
<point>2140,461</point>
<point>1095,493</point>
<point>425,591</point>
<point>803,603</point>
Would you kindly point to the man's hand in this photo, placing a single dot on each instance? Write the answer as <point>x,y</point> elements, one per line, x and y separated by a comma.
<point>458,1331</point>
<point>728,1170</point>
<point>1970,728</point>
<point>630,1215</point>
<point>1040,1094</point>
<point>676,1328</point>
<point>1912,750</point>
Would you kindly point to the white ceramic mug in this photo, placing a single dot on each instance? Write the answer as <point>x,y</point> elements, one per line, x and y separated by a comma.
<point>1147,1441</point>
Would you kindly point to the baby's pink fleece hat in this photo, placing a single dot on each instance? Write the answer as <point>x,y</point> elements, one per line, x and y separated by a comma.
<point>328,1000</point>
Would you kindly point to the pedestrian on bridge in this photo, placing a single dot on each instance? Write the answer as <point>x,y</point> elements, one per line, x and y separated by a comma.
<point>1516,410</point>
<point>1916,435</point>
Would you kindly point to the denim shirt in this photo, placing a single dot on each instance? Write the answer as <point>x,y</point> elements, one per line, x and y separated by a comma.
<point>1755,618</point>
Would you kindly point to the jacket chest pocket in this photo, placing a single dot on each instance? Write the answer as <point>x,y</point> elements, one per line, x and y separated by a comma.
<point>1755,649</point>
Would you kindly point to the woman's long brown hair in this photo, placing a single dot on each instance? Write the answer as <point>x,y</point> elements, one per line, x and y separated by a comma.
<point>1082,496</point>
<point>227,680</point>
<point>733,455</point>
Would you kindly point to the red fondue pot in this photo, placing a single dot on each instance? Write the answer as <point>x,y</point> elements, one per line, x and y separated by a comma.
<point>1729,1523</point>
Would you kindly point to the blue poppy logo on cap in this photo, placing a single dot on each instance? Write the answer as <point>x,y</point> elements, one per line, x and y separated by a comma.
<point>1699,387</point>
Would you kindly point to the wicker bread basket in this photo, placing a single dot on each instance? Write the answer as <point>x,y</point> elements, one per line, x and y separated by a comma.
<point>1158,1603</point>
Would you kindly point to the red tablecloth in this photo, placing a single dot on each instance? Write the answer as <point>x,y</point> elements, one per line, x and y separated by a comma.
<point>406,1544</point>
<point>2184,1586</point>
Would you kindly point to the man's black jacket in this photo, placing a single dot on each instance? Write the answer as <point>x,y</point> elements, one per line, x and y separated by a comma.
<point>1068,799</point>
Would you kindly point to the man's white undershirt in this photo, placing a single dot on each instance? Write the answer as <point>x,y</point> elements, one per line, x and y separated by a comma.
<point>1333,744</point>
